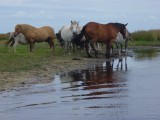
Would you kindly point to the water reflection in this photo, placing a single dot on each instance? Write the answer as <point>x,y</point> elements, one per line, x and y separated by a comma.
<point>105,80</point>
<point>99,73</point>
<point>145,53</point>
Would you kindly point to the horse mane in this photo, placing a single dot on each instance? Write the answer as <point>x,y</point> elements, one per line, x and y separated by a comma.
<point>118,25</point>
<point>25,28</point>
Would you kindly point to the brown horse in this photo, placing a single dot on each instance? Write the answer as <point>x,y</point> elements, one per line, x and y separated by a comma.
<point>102,33</point>
<point>33,34</point>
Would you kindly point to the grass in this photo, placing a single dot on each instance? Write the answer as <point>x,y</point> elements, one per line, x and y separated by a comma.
<point>146,38</point>
<point>23,60</point>
<point>144,43</point>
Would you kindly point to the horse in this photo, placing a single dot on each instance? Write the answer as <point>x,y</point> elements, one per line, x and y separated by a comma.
<point>33,34</point>
<point>102,33</point>
<point>83,39</point>
<point>13,41</point>
<point>67,33</point>
<point>120,41</point>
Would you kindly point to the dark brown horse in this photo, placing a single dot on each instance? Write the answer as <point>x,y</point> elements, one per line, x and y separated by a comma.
<point>102,33</point>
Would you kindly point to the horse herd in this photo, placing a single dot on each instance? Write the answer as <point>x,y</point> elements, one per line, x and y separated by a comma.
<point>70,35</point>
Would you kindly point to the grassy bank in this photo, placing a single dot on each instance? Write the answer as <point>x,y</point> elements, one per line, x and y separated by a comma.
<point>23,60</point>
<point>146,38</point>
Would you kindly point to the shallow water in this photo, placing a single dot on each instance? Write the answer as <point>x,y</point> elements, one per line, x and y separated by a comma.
<point>123,89</point>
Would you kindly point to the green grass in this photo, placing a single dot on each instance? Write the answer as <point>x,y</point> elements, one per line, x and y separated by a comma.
<point>23,60</point>
<point>146,38</point>
<point>144,43</point>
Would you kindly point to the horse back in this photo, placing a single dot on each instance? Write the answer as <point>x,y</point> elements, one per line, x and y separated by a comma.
<point>111,31</point>
<point>100,32</point>
<point>42,34</point>
<point>50,31</point>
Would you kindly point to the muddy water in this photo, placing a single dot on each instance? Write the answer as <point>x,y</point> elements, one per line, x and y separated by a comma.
<point>123,89</point>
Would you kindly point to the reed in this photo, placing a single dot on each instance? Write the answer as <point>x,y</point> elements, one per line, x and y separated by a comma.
<point>150,37</point>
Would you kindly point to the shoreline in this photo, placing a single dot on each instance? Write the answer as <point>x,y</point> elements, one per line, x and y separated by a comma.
<point>13,80</point>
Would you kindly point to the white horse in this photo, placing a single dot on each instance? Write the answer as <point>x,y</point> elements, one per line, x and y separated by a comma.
<point>13,41</point>
<point>120,41</point>
<point>67,33</point>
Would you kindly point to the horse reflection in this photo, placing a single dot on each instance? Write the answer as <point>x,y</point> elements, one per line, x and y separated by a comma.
<point>101,74</point>
<point>120,65</point>
<point>104,80</point>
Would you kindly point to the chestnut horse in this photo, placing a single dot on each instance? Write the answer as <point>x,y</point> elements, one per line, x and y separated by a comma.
<point>33,34</point>
<point>102,33</point>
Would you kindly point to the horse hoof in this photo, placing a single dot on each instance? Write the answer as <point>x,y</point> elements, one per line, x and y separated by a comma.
<point>90,56</point>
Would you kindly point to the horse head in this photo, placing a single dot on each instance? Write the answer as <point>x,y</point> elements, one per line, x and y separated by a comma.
<point>18,30</point>
<point>128,35</point>
<point>74,27</point>
<point>123,30</point>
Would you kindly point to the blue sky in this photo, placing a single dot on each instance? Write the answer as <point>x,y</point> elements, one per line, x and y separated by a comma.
<point>139,14</point>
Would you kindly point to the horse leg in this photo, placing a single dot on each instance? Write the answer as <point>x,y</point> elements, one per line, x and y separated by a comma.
<point>50,42</point>
<point>31,44</point>
<point>126,42</point>
<point>73,46</point>
<point>96,52</point>
<point>14,45</point>
<point>126,63</point>
<point>65,47</point>
<point>108,48</point>
<point>121,48</point>
<point>87,50</point>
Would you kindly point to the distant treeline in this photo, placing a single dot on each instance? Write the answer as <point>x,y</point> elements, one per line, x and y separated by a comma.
<point>150,35</point>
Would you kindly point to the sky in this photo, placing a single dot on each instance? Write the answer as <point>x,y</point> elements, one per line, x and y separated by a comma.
<point>139,14</point>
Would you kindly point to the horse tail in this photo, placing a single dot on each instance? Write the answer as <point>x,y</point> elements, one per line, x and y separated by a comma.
<point>77,39</point>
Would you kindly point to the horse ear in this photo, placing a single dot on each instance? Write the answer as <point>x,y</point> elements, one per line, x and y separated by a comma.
<point>71,22</point>
<point>78,23</point>
<point>126,24</point>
